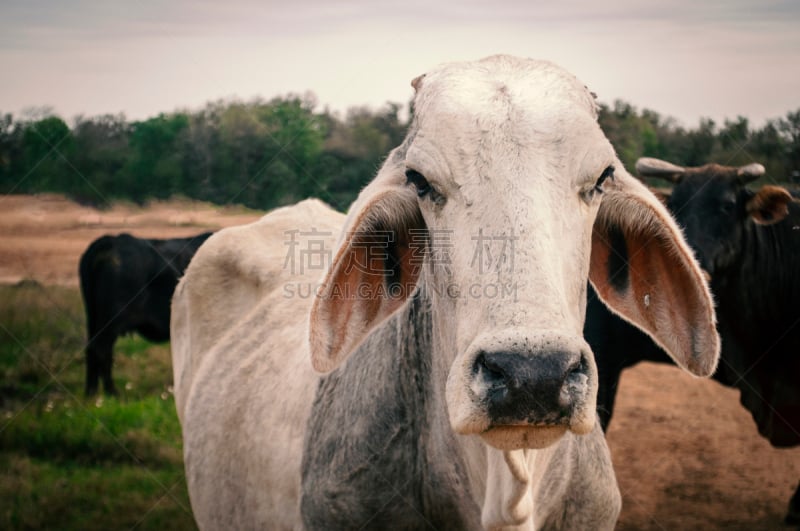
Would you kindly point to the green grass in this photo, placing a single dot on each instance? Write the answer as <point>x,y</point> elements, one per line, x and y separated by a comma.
<point>71,463</point>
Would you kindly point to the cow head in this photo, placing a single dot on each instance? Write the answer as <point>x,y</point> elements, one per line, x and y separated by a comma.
<point>503,199</point>
<point>713,204</point>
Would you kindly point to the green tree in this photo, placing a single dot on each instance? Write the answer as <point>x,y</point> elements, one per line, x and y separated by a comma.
<point>767,145</point>
<point>632,134</point>
<point>294,143</point>
<point>154,167</point>
<point>355,147</point>
<point>47,145</point>
<point>11,149</point>
<point>701,142</point>
<point>101,152</point>
<point>789,130</point>
<point>199,142</point>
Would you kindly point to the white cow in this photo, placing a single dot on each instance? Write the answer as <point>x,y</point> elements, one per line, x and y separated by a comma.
<point>462,394</point>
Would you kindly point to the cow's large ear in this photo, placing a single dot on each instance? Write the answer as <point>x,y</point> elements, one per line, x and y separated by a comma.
<point>374,271</point>
<point>643,270</point>
<point>769,205</point>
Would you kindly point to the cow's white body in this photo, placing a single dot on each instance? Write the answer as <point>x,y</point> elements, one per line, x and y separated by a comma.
<point>412,427</point>
<point>243,380</point>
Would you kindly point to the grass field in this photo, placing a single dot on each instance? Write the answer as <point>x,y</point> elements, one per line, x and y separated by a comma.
<point>71,463</point>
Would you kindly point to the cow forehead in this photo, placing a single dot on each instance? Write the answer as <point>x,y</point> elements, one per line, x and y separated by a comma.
<point>712,174</point>
<point>497,83</point>
<point>503,111</point>
<point>708,184</point>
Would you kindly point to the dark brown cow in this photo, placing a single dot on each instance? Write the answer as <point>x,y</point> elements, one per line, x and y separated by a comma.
<point>127,285</point>
<point>749,243</point>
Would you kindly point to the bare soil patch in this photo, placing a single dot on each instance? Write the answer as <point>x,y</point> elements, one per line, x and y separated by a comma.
<point>687,455</point>
<point>42,237</point>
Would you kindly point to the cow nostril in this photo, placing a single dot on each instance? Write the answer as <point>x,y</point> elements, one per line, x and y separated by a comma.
<point>577,375</point>
<point>575,370</point>
<point>575,380</point>
<point>489,370</point>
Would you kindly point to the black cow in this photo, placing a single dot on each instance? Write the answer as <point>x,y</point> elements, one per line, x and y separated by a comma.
<point>127,285</point>
<point>749,243</point>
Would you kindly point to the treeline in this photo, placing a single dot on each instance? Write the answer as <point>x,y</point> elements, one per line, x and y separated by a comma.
<point>259,153</point>
<point>776,145</point>
<point>267,153</point>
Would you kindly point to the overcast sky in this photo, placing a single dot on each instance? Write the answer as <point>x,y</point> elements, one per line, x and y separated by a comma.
<point>683,58</point>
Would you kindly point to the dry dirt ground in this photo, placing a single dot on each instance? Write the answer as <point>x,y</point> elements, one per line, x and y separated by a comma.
<point>687,455</point>
<point>42,237</point>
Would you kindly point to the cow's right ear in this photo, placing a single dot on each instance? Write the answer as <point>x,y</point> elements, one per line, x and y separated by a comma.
<point>374,270</point>
<point>769,205</point>
<point>643,270</point>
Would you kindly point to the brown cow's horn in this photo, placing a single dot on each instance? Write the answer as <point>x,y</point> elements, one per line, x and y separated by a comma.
<point>661,169</point>
<point>750,172</point>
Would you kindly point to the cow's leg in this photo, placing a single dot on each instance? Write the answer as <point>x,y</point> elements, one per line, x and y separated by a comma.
<point>98,363</point>
<point>793,517</point>
<point>106,360</point>
<point>92,369</point>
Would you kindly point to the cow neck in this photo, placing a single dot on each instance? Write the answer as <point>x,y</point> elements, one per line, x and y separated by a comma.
<point>397,448</point>
<point>760,325</point>
<point>445,483</point>
<point>766,269</point>
<point>509,500</point>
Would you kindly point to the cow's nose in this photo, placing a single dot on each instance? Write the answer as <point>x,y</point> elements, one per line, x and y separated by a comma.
<point>538,389</point>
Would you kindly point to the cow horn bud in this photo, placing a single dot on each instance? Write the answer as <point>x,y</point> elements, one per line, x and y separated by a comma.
<point>750,172</point>
<point>661,169</point>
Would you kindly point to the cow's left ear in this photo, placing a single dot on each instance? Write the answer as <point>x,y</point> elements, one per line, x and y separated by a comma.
<point>644,271</point>
<point>769,205</point>
<point>373,272</point>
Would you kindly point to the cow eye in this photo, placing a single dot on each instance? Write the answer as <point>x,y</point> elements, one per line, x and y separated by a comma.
<point>728,205</point>
<point>419,181</point>
<point>608,173</point>
<point>591,191</point>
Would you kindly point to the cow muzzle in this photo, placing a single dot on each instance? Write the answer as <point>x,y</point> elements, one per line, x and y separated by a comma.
<point>531,390</point>
<point>528,395</point>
